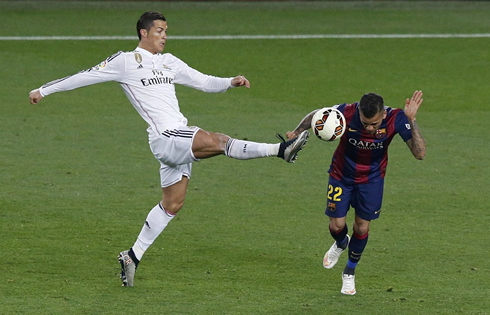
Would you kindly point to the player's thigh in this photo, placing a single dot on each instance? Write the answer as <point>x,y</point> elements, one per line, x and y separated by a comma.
<point>367,200</point>
<point>338,198</point>
<point>208,144</point>
<point>170,174</point>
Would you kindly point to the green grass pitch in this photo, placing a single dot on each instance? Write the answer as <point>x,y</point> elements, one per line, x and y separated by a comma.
<point>78,179</point>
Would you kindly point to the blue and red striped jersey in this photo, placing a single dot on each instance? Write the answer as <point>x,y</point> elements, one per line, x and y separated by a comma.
<point>361,157</point>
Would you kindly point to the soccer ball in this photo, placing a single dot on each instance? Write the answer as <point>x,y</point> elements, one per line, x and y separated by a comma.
<point>328,124</point>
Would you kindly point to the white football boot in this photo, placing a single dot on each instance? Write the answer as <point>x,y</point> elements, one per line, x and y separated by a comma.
<point>332,256</point>
<point>348,284</point>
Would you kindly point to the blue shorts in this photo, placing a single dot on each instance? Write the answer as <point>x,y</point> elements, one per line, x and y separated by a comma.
<point>366,199</point>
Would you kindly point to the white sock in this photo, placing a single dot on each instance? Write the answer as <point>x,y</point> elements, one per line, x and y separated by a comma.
<point>156,221</point>
<point>245,150</point>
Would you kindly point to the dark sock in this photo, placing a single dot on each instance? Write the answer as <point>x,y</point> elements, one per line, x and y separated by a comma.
<point>283,145</point>
<point>350,269</point>
<point>356,247</point>
<point>282,148</point>
<point>340,237</point>
<point>133,257</point>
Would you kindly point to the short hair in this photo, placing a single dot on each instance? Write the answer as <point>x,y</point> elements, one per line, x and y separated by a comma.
<point>371,104</point>
<point>146,21</point>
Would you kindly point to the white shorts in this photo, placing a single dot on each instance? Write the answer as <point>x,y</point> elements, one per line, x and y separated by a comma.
<point>173,149</point>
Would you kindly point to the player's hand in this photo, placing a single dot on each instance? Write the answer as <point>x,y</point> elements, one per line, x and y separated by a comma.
<point>35,96</point>
<point>412,105</point>
<point>292,134</point>
<point>240,81</point>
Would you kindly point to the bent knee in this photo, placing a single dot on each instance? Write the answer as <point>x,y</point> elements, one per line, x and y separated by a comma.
<point>337,224</point>
<point>207,144</point>
<point>219,140</point>
<point>361,229</point>
<point>172,206</point>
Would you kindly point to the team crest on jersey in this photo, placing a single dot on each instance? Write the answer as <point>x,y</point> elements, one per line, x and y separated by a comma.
<point>165,67</point>
<point>138,57</point>
<point>380,133</point>
<point>331,206</point>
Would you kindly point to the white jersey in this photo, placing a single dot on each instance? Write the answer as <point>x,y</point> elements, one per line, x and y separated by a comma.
<point>149,83</point>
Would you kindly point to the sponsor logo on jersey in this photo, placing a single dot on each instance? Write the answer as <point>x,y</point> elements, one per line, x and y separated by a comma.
<point>352,130</point>
<point>159,72</point>
<point>380,133</point>
<point>157,80</point>
<point>366,145</point>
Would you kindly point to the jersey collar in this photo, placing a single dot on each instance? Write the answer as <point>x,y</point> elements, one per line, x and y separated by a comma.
<point>145,52</point>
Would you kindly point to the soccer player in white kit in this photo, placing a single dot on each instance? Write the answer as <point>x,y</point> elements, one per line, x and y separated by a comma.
<point>148,78</point>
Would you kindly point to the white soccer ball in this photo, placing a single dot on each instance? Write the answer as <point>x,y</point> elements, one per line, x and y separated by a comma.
<point>328,124</point>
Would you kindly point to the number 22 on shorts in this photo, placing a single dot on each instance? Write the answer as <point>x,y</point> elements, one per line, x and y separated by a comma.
<point>334,193</point>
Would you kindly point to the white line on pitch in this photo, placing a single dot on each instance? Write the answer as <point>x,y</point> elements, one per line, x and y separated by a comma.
<point>220,37</point>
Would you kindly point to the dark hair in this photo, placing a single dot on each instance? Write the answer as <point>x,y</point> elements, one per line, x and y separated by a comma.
<point>146,21</point>
<point>371,104</point>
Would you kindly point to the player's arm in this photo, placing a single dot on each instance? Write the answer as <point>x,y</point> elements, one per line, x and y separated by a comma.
<point>417,143</point>
<point>109,70</point>
<point>191,77</point>
<point>305,124</point>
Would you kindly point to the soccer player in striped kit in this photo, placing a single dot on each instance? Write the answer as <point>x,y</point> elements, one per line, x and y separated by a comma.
<point>148,79</point>
<point>358,169</point>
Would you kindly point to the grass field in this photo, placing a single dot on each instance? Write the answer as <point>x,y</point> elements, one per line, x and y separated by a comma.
<point>78,179</point>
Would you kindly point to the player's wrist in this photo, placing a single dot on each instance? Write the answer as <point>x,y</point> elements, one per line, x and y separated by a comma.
<point>297,132</point>
<point>41,92</point>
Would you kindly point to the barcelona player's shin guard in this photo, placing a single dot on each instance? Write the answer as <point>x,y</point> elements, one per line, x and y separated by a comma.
<point>356,248</point>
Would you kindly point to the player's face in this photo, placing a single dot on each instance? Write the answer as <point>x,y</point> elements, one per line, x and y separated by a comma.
<point>154,39</point>
<point>372,124</point>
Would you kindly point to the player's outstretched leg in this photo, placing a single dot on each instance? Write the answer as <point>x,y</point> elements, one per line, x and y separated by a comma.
<point>348,284</point>
<point>288,150</point>
<point>128,268</point>
<point>246,150</point>
<point>333,254</point>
